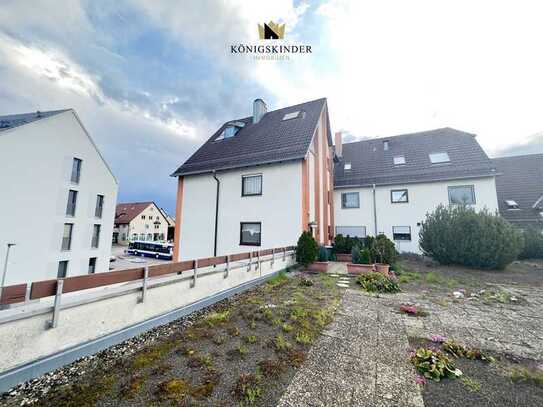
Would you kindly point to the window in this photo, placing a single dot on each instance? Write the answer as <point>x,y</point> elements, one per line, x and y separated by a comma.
<point>62,269</point>
<point>149,237</point>
<point>143,216</point>
<point>95,236</point>
<point>385,145</point>
<point>142,236</point>
<point>399,160</point>
<point>134,236</point>
<point>352,231</point>
<point>99,206</point>
<point>511,204</point>
<point>123,236</point>
<point>437,158</point>
<point>146,226</point>
<point>92,265</point>
<point>76,170</point>
<point>228,132</point>
<point>72,199</point>
<point>462,195</point>
<point>251,185</point>
<point>347,167</point>
<point>399,196</point>
<point>291,115</point>
<point>350,200</point>
<point>250,233</point>
<point>67,236</point>
<point>401,233</point>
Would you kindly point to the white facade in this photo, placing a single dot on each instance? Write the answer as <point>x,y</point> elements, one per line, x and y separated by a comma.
<point>149,225</point>
<point>35,176</point>
<point>278,209</point>
<point>422,199</point>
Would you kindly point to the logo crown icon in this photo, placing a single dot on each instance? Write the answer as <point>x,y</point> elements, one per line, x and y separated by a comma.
<point>271,31</point>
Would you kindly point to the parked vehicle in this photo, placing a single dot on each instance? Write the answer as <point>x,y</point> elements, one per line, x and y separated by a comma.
<point>158,250</point>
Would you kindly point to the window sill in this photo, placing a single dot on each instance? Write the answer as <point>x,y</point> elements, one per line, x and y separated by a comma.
<point>251,244</point>
<point>249,195</point>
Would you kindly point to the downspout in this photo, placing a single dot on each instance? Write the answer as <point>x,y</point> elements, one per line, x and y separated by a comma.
<point>374,212</point>
<point>216,213</point>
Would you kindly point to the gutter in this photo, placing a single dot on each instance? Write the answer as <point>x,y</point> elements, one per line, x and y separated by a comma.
<point>374,211</point>
<point>216,213</point>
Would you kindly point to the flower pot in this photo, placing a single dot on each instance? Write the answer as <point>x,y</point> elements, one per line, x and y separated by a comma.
<point>359,268</point>
<point>344,257</point>
<point>318,267</point>
<point>382,268</point>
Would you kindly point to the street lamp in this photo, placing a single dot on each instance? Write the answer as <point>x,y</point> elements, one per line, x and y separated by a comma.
<point>5,269</point>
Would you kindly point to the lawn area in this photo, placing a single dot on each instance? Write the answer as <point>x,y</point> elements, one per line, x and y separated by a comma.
<point>242,351</point>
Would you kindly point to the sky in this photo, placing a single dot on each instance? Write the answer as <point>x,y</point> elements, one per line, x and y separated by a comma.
<point>152,80</point>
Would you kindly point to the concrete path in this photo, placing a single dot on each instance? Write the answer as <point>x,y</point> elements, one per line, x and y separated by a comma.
<point>360,360</point>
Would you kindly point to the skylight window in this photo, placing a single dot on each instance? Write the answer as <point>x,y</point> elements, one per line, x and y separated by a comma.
<point>385,145</point>
<point>291,115</point>
<point>438,158</point>
<point>399,160</point>
<point>347,167</point>
<point>511,204</point>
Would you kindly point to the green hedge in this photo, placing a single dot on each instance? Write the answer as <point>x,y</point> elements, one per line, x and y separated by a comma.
<point>461,235</point>
<point>307,249</point>
<point>533,245</point>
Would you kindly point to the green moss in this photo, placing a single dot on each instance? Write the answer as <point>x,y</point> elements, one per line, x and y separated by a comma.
<point>216,318</point>
<point>174,389</point>
<point>471,384</point>
<point>151,355</point>
<point>280,343</point>
<point>524,374</point>
<point>287,328</point>
<point>252,339</point>
<point>278,280</point>
<point>82,395</point>
<point>199,360</point>
<point>133,387</point>
<point>304,338</point>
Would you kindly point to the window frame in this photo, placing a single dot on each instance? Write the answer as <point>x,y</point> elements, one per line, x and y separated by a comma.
<point>101,206</point>
<point>352,226</point>
<point>402,240</point>
<point>243,193</point>
<point>68,204</point>
<point>350,207</point>
<point>94,265</point>
<point>439,162</point>
<point>399,190</point>
<point>401,157</point>
<point>99,228</point>
<point>241,242</point>
<point>69,246</point>
<point>78,172</point>
<point>471,186</point>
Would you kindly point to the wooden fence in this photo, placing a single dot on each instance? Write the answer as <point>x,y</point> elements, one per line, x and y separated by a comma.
<point>18,293</point>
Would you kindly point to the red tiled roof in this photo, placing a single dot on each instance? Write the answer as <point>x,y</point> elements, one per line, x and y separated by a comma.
<point>125,212</point>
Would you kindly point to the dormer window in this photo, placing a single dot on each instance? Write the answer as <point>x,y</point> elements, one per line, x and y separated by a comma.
<point>230,130</point>
<point>438,158</point>
<point>347,167</point>
<point>291,115</point>
<point>399,160</point>
<point>511,204</point>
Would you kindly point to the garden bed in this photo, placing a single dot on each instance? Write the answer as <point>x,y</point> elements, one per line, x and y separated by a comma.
<point>505,382</point>
<point>243,350</point>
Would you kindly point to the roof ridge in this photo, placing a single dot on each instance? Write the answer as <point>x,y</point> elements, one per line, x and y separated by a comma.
<point>517,156</point>
<point>417,133</point>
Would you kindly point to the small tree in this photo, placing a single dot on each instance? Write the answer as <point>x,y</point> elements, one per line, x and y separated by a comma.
<point>460,235</point>
<point>383,250</point>
<point>533,244</point>
<point>307,249</point>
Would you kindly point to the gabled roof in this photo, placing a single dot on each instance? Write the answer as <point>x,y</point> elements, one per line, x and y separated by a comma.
<point>371,163</point>
<point>15,120</point>
<point>125,212</point>
<point>521,180</point>
<point>270,140</point>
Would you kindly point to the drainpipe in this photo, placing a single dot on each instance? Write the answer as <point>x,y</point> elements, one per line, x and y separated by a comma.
<point>374,212</point>
<point>216,213</point>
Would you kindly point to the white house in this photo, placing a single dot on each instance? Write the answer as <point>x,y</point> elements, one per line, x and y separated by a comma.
<point>140,221</point>
<point>257,183</point>
<point>387,186</point>
<point>58,198</point>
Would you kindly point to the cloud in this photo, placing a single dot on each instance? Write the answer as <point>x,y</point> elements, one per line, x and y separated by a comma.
<point>532,145</point>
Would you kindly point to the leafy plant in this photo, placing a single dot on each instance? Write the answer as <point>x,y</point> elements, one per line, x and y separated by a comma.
<point>488,240</point>
<point>378,282</point>
<point>304,338</point>
<point>287,328</point>
<point>248,388</point>
<point>471,384</point>
<point>458,350</point>
<point>434,365</point>
<point>280,343</point>
<point>307,249</point>
<point>252,339</point>
<point>216,318</point>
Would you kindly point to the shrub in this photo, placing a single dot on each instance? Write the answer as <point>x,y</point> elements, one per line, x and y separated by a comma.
<point>533,244</point>
<point>377,282</point>
<point>306,251</point>
<point>355,255</point>
<point>361,256</point>
<point>434,365</point>
<point>323,254</point>
<point>344,244</point>
<point>460,235</point>
<point>382,249</point>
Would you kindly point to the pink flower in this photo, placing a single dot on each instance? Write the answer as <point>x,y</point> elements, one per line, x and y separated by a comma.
<point>420,380</point>
<point>408,309</point>
<point>438,338</point>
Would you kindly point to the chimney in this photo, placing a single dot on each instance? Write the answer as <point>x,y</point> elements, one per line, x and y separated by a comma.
<point>338,143</point>
<point>259,110</point>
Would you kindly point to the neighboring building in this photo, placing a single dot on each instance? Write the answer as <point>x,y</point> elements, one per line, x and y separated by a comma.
<point>257,183</point>
<point>58,198</point>
<point>139,221</point>
<point>388,185</point>
<point>520,189</point>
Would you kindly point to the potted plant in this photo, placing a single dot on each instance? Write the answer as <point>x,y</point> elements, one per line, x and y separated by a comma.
<point>361,261</point>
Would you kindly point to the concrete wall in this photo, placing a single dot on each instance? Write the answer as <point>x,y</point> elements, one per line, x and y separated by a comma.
<point>278,208</point>
<point>25,340</point>
<point>423,198</point>
<point>36,164</point>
